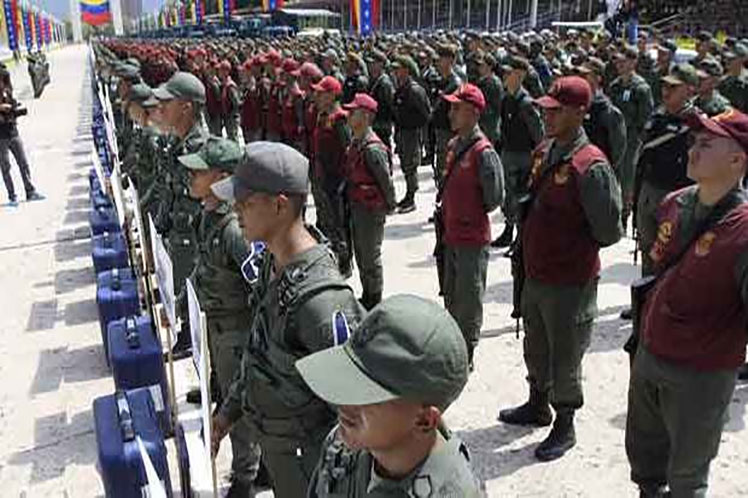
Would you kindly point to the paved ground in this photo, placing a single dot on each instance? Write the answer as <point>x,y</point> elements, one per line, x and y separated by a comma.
<point>52,366</point>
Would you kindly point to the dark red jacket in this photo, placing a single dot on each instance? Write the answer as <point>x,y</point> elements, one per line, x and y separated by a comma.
<point>251,114</point>
<point>329,149</point>
<point>695,315</point>
<point>465,219</point>
<point>212,96</point>
<point>557,242</point>
<point>289,114</point>
<point>227,107</point>
<point>273,122</point>
<point>363,188</point>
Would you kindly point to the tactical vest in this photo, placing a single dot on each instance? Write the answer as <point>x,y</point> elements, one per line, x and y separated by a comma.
<point>663,158</point>
<point>219,284</point>
<point>409,115</point>
<point>329,152</point>
<point>251,114</point>
<point>363,188</point>
<point>596,131</point>
<point>465,220</point>
<point>384,109</point>
<point>289,116</point>
<point>273,122</point>
<point>227,106</point>
<point>277,400</point>
<point>558,246</point>
<point>515,134</point>
<point>695,316</point>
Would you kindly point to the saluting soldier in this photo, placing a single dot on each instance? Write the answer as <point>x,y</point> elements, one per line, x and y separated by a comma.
<point>368,168</point>
<point>222,291</point>
<point>734,86</point>
<point>604,124</point>
<point>472,187</point>
<point>575,209</point>
<point>521,132</point>
<point>631,94</point>
<point>300,305</point>
<point>391,439</point>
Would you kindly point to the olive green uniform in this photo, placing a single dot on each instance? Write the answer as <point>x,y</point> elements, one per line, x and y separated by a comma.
<point>735,89</point>
<point>182,210</point>
<point>368,224</point>
<point>347,473</point>
<point>490,118</point>
<point>292,316</point>
<point>713,104</point>
<point>383,91</point>
<point>634,99</point>
<point>412,108</point>
<point>440,121</point>
<point>230,120</point>
<point>223,294</point>
<point>606,128</point>
<point>558,319</point>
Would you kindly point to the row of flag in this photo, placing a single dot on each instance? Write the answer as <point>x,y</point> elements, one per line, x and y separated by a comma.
<point>24,20</point>
<point>192,12</point>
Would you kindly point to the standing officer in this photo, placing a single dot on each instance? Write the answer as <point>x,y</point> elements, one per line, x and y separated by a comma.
<point>300,305</point>
<point>493,91</point>
<point>734,85</point>
<point>692,343</point>
<point>574,209</point>
<point>391,441</point>
<point>222,291</point>
<point>631,94</point>
<point>251,113</point>
<point>665,54</point>
<point>292,112</point>
<point>604,124</point>
<point>521,132</point>
<point>664,155</point>
<point>448,84</point>
<point>473,186</point>
<point>356,79</point>
<point>412,111</point>
<point>213,100</point>
<point>182,100</point>
<point>709,100</point>
<point>370,192</point>
<point>230,101</point>
<point>383,91</point>
<point>331,139</point>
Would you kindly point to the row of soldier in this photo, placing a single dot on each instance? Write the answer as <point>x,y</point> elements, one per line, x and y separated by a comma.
<point>488,150</point>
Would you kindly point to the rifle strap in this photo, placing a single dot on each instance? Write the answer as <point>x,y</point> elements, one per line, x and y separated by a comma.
<point>458,157</point>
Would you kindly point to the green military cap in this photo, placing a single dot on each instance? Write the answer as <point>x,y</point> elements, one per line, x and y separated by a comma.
<point>682,74</point>
<point>446,50</point>
<point>704,36</point>
<point>738,51</point>
<point>182,86</point>
<point>268,167</point>
<point>668,46</point>
<point>709,67</point>
<point>627,52</point>
<point>217,153</point>
<point>140,93</point>
<point>593,65</point>
<point>511,63</point>
<point>407,348</point>
<point>376,55</point>
<point>407,62</point>
<point>133,62</point>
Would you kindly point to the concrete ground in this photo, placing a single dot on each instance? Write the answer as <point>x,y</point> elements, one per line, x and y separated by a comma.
<point>52,364</point>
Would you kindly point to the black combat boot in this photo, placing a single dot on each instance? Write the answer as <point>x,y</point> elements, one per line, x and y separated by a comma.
<point>561,439</point>
<point>653,491</point>
<point>241,489</point>
<point>183,347</point>
<point>536,412</point>
<point>743,372</point>
<point>408,204</point>
<point>506,238</point>
<point>369,301</point>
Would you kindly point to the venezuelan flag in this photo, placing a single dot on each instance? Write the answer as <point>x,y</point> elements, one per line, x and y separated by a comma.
<point>271,5</point>
<point>364,15</point>
<point>95,12</point>
<point>11,22</point>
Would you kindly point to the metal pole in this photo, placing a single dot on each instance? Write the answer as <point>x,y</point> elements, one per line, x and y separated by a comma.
<point>450,15</point>
<point>419,15</point>
<point>392,15</point>
<point>434,6</point>
<point>467,24</point>
<point>498,15</point>
<point>509,15</point>
<point>405,16</point>
<point>488,12</point>
<point>589,10</point>
<point>534,14</point>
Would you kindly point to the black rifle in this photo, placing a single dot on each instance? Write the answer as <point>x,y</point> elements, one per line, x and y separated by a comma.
<point>439,217</point>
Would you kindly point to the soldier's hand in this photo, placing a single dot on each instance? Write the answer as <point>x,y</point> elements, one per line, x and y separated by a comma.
<point>221,427</point>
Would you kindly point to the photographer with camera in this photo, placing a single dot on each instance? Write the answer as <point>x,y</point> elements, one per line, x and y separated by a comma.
<point>10,110</point>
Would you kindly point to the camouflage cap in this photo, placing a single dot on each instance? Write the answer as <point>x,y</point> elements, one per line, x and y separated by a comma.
<point>682,74</point>
<point>406,348</point>
<point>710,67</point>
<point>406,62</point>
<point>216,153</point>
<point>182,86</point>
<point>140,93</point>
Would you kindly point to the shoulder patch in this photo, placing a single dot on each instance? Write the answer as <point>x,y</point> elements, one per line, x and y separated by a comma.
<point>251,266</point>
<point>340,329</point>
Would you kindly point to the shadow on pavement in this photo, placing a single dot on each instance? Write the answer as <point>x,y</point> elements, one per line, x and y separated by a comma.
<point>81,312</point>
<point>43,315</point>
<point>406,230</point>
<point>72,249</point>
<point>57,444</point>
<point>620,273</point>
<point>736,421</point>
<point>73,217</point>
<point>70,365</point>
<point>70,280</point>
<point>78,202</point>
<point>488,458</point>
<point>77,190</point>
